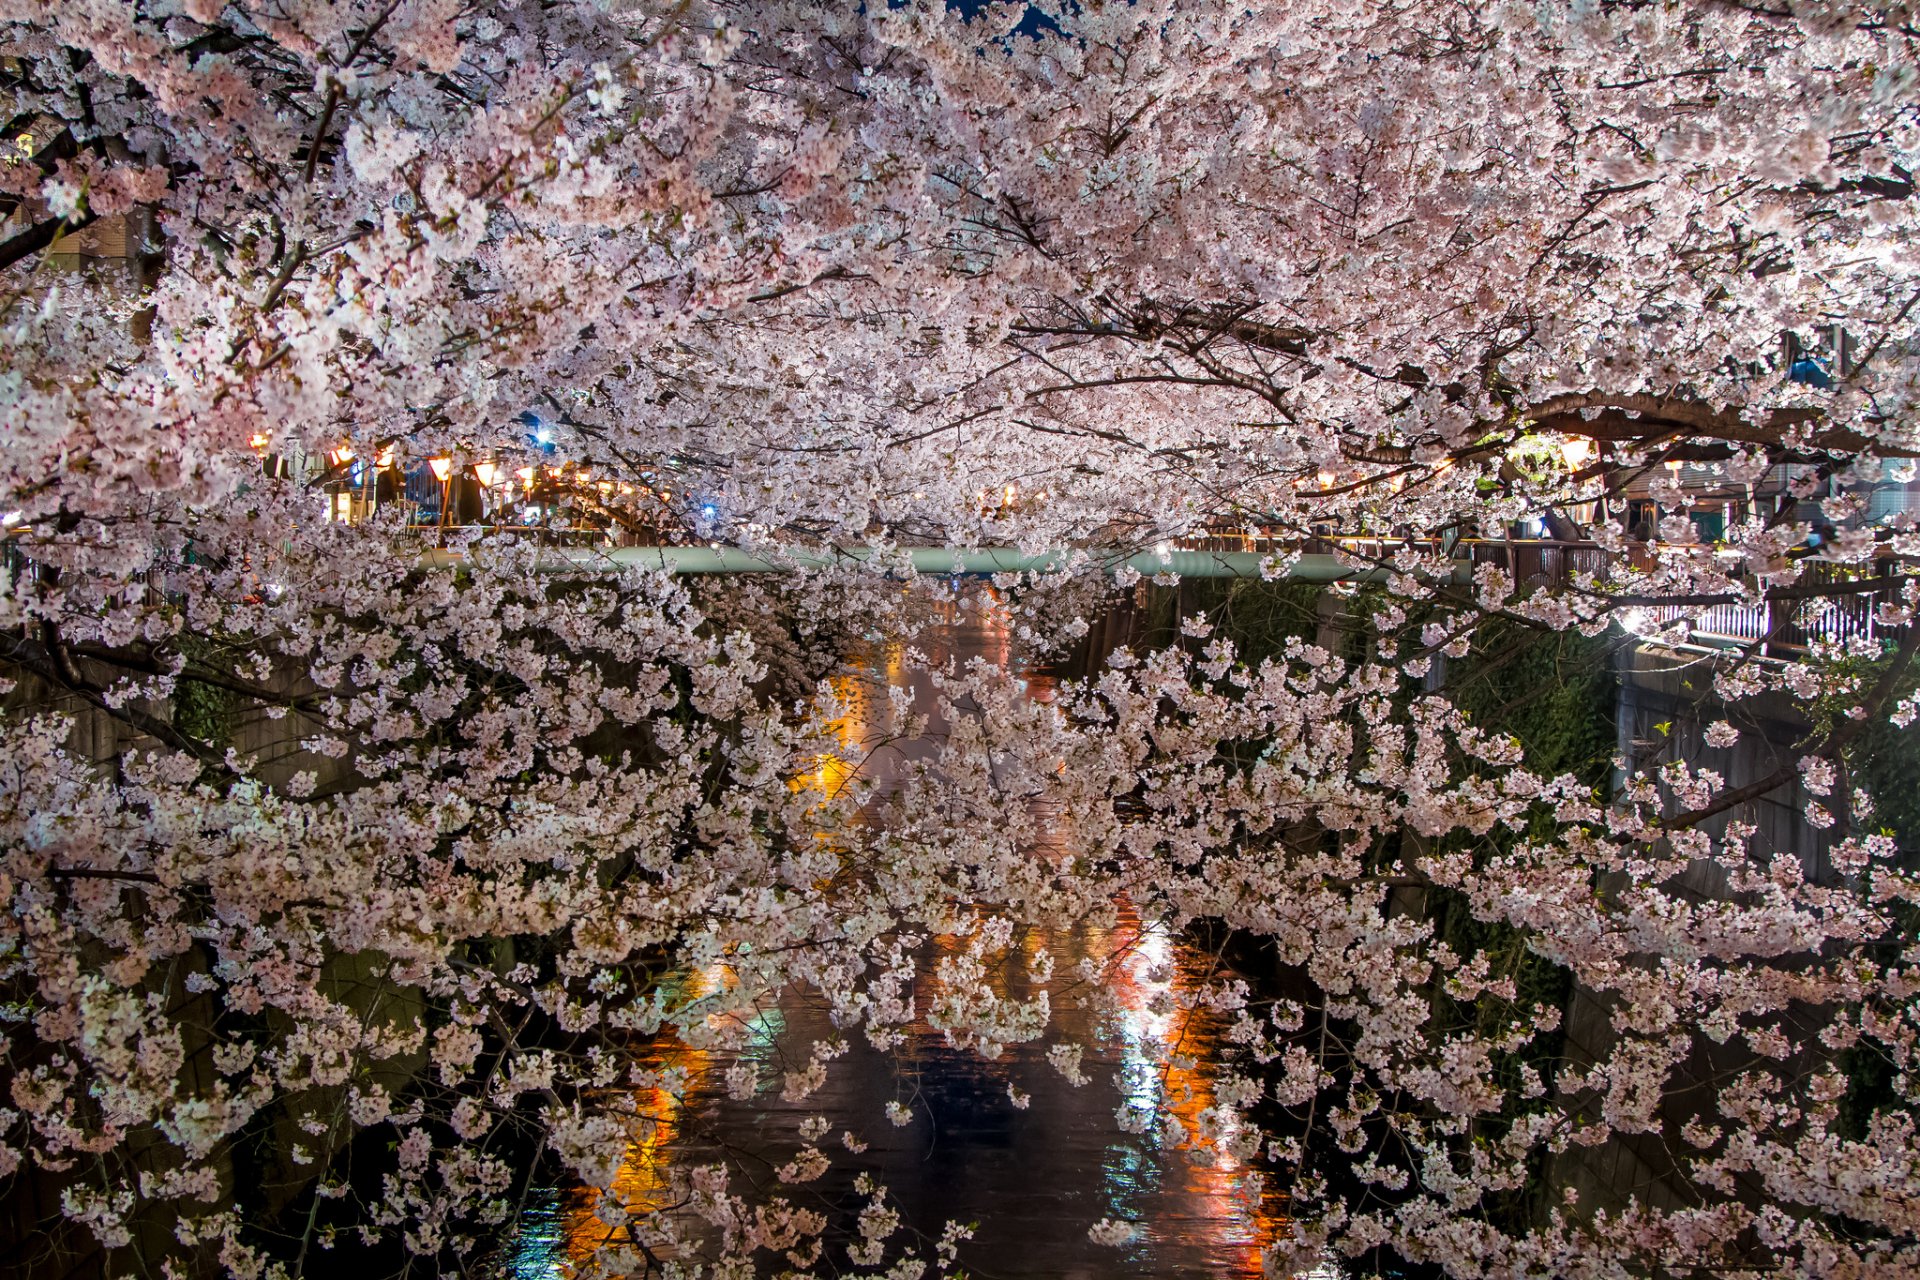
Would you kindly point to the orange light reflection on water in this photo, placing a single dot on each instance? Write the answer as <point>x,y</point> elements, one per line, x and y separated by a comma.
<point>644,1187</point>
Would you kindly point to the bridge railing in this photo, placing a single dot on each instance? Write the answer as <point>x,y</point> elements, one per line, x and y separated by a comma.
<point>1842,618</point>
<point>1783,625</point>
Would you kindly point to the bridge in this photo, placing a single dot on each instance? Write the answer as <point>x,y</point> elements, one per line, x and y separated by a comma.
<point>1837,603</point>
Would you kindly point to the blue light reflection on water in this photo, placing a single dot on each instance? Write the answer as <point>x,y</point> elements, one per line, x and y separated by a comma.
<point>540,1242</point>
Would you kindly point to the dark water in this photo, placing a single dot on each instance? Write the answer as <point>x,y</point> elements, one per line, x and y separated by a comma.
<point>1031,1181</point>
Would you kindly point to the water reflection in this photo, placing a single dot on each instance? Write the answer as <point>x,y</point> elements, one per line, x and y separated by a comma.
<point>1031,1180</point>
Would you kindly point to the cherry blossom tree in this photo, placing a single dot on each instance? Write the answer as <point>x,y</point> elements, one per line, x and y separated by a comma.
<point>851,274</point>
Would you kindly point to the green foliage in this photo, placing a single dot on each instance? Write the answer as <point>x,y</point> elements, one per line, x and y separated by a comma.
<point>1885,760</point>
<point>203,712</point>
<point>1259,617</point>
<point>1554,691</point>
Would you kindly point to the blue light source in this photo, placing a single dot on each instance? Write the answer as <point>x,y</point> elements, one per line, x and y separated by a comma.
<point>1810,371</point>
<point>709,511</point>
<point>541,434</point>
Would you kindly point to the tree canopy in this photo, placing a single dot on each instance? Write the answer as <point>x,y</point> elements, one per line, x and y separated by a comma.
<point>1090,278</point>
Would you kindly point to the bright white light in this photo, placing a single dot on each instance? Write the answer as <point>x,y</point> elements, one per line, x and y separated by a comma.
<point>1637,621</point>
<point>12,518</point>
<point>1162,550</point>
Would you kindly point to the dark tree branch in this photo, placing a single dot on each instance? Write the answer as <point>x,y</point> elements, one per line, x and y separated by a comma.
<point>35,239</point>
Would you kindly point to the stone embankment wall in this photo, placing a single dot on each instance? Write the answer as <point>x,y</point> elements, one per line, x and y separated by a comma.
<point>35,1237</point>
<point>1665,704</point>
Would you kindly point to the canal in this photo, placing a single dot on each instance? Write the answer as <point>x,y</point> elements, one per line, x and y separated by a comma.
<point>1012,1148</point>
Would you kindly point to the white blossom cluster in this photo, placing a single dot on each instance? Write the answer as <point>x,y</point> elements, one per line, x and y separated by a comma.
<point>884,276</point>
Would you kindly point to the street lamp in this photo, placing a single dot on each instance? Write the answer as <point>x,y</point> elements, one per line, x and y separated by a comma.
<point>443,472</point>
<point>485,473</point>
